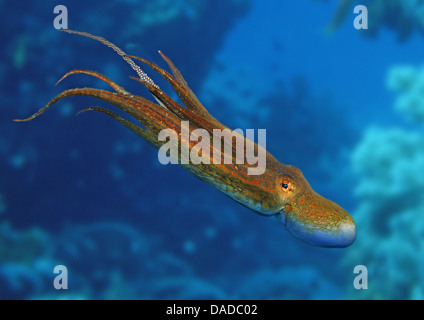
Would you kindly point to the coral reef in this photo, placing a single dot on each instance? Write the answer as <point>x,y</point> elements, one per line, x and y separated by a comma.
<point>408,83</point>
<point>109,260</point>
<point>389,164</point>
<point>289,283</point>
<point>22,247</point>
<point>24,261</point>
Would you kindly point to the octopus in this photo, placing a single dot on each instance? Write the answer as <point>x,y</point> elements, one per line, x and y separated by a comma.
<point>280,190</point>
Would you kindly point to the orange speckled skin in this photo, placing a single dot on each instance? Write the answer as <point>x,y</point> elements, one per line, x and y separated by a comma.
<point>281,191</point>
<point>313,218</point>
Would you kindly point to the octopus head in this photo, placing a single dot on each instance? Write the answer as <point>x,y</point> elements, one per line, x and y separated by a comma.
<point>311,217</point>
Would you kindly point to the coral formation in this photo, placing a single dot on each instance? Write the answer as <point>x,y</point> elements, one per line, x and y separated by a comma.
<point>288,283</point>
<point>24,260</point>
<point>408,83</point>
<point>22,246</point>
<point>389,164</point>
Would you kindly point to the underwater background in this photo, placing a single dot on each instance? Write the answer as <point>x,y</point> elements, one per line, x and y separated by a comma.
<point>346,106</point>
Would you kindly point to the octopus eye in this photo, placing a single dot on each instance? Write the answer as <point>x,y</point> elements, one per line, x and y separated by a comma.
<point>286,184</point>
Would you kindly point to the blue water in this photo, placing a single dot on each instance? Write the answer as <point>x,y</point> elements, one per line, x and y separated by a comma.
<point>85,192</point>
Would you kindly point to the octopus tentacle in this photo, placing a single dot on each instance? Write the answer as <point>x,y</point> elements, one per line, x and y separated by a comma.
<point>194,112</point>
<point>145,134</point>
<point>98,75</point>
<point>280,190</point>
<point>177,74</point>
<point>192,104</point>
<point>149,114</point>
<point>143,76</point>
<point>97,93</point>
<point>126,57</point>
<point>178,83</point>
<point>177,109</point>
<point>195,120</point>
<point>153,117</point>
